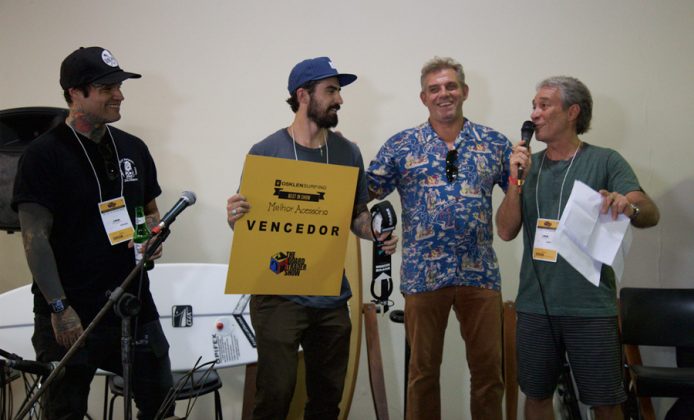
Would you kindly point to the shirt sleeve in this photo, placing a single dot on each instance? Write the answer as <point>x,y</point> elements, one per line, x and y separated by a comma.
<point>152,187</point>
<point>383,173</point>
<point>506,150</point>
<point>362,194</point>
<point>34,182</point>
<point>621,176</point>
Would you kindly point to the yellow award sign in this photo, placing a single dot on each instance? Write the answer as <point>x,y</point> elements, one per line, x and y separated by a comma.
<point>294,238</point>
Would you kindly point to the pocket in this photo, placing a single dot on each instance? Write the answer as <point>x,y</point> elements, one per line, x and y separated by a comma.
<point>156,340</point>
<point>43,340</point>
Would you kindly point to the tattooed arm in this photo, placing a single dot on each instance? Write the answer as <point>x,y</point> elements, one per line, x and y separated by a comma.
<point>36,222</point>
<point>361,222</point>
<point>361,226</point>
<point>152,214</point>
<point>153,218</point>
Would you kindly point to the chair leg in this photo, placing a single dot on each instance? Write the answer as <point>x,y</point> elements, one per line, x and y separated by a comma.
<point>633,357</point>
<point>217,406</point>
<point>105,416</point>
<point>110,407</point>
<point>510,365</point>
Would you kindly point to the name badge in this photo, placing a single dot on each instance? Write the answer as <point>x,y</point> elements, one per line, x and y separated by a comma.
<point>544,248</point>
<point>114,215</point>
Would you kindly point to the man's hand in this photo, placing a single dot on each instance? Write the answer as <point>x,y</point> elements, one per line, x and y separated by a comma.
<point>520,157</point>
<point>157,254</point>
<point>237,206</point>
<point>615,203</point>
<point>67,327</point>
<point>389,244</point>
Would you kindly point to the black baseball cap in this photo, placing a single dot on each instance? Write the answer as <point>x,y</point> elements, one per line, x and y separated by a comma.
<point>92,65</point>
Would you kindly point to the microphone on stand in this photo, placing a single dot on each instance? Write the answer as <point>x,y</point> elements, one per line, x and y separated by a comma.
<point>30,366</point>
<point>527,131</point>
<point>187,199</point>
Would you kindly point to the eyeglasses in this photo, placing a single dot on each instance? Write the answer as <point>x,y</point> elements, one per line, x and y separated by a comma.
<point>452,165</point>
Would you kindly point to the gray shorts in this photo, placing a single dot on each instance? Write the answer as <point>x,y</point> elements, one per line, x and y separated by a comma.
<point>593,349</point>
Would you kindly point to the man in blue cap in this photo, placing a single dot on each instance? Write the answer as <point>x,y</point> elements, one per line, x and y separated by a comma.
<point>320,324</point>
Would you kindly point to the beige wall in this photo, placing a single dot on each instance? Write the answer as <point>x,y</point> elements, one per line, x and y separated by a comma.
<point>215,77</point>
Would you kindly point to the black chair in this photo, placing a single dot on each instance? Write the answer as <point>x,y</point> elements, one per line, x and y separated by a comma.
<point>203,382</point>
<point>657,317</point>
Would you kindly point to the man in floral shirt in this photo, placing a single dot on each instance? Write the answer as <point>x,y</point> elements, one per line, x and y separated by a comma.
<point>444,171</point>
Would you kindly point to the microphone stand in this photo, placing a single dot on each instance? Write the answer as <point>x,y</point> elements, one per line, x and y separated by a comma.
<point>3,379</point>
<point>112,300</point>
<point>9,356</point>
<point>127,307</point>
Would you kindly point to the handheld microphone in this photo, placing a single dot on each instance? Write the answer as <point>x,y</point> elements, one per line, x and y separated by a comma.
<point>527,131</point>
<point>187,199</point>
<point>30,366</point>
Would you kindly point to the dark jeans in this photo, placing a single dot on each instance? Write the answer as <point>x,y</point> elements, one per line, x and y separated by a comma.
<point>67,396</point>
<point>280,327</point>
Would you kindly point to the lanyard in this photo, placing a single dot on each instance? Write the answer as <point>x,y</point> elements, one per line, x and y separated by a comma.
<point>101,198</point>
<point>561,191</point>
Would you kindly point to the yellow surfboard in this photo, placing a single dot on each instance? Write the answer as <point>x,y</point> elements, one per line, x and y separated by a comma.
<point>353,271</point>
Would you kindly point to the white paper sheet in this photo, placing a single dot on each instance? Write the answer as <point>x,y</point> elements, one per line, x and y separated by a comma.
<point>586,239</point>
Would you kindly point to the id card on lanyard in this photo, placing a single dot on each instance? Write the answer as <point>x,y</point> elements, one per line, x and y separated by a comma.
<point>544,246</point>
<point>114,215</point>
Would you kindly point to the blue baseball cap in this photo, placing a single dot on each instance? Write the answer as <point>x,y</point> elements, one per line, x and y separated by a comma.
<point>318,68</point>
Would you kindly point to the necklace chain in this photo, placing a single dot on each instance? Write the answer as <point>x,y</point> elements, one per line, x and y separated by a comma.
<point>325,143</point>
<point>101,198</point>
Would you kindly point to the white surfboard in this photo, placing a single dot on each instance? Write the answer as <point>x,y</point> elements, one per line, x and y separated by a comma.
<point>199,320</point>
<point>17,322</point>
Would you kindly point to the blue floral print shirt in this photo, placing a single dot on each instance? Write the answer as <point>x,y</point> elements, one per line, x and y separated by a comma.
<point>447,227</point>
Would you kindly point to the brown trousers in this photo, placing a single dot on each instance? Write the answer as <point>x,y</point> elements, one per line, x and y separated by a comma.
<point>479,312</point>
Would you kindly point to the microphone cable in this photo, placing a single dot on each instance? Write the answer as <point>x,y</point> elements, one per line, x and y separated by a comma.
<point>569,400</point>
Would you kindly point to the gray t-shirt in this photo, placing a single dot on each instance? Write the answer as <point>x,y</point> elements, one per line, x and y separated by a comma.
<point>339,151</point>
<point>567,292</point>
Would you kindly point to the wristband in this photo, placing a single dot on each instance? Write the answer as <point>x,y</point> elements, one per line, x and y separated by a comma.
<point>515,181</point>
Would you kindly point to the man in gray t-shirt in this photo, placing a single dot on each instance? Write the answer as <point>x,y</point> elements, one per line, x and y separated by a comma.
<point>320,324</point>
<point>558,310</point>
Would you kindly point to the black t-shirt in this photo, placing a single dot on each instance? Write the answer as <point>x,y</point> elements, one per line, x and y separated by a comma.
<point>54,171</point>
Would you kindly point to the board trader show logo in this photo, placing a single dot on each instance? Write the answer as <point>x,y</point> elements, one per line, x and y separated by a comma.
<point>287,263</point>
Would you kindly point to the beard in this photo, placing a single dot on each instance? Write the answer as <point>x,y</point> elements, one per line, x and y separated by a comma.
<point>322,118</point>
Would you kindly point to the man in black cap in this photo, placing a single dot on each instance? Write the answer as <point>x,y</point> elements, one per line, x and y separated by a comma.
<point>76,206</point>
<point>320,324</point>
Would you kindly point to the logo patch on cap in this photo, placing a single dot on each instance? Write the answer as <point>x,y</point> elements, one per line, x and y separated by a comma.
<point>109,59</point>
<point>332,66</point>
